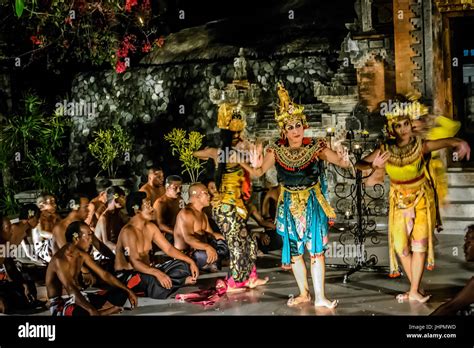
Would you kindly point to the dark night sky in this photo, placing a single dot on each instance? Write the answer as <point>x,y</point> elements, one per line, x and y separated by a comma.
<point>243,19</point>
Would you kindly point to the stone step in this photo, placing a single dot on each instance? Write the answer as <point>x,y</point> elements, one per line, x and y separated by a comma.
<point>456,225</point>
<point>460,193</point>
<point>459,209</point>
<point>461,178</point>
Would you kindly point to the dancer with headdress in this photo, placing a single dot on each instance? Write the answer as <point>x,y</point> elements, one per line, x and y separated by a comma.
<point>230,213</point>
<point>412,212</point>
<point>303,213</point>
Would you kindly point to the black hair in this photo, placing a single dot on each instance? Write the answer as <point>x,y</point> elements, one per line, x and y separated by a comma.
<point>153,168</point>
<point>173,178</point>
<point>226,146</point>
<point>112,191</point>
<point>207,181</point>
<point>26,209</point>
<point>72,229</point>
<point>134,199</point>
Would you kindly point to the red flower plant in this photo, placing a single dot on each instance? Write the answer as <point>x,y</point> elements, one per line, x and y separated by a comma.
<point>146,47</point>
<point>126,46</point>
<point>120,67</point>
<point>146,5</point>
<point>68,20</point>
<point>129,4</point>
<point>37,40</point>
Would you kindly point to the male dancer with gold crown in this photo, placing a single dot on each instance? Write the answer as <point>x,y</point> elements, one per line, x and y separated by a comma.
<point>303,213</point>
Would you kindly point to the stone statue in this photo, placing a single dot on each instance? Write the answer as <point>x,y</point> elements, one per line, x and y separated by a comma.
<point>240,66</point>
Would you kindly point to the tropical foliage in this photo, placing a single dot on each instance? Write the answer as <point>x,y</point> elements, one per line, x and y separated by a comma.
<point>184,146</point>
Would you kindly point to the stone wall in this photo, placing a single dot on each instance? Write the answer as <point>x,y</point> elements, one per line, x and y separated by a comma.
<point>151,100</point>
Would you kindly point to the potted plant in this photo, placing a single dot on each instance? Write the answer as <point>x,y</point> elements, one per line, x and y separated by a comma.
<point>184,146</point>
<point>107,147</point>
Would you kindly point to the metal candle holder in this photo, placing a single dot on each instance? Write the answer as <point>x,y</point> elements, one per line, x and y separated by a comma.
<point>358,203</point>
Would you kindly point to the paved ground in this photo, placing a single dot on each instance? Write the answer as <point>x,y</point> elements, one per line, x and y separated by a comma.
<point>366,293</point>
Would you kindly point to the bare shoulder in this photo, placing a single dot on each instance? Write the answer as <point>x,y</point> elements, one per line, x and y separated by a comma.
<point>150,226</point>
<point>57,227</point>
<point>186,212</point>
<point>127,230</point>
<point>160,201</point>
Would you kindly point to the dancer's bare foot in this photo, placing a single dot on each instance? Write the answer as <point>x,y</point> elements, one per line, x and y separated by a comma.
<point>326,303</point>
<point>405,296</point>
<point>418,297</point>
<point>232,289</point>
<point>257,282</point>
<point>295,301</point>
<point>190,281</point>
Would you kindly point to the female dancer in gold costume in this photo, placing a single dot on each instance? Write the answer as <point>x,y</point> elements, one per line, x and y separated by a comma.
<point>412,212</point>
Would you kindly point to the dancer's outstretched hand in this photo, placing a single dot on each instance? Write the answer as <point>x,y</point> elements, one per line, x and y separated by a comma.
<point>463,150</point>
<point>380,159</point>
<point>256,155</point>
<point>343,154</point>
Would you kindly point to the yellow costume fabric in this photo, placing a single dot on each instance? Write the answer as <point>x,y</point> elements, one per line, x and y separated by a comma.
<point>412,212</point>
<point>444,128</point>
<point>231,188</point>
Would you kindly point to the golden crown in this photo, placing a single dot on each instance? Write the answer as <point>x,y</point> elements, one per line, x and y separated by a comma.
<point>411,109</point>
<point>230,117</point>
<point>288,109</point>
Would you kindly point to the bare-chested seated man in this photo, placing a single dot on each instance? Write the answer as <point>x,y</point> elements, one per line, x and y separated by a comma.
<point>465,297</point>
<point>132,263</point>
<point>268,240</point>
<point>22,231</point>
<point>107,227</point>
<point>154,187</point>
<point>168,206</point>
<point>79,210</point>
<point>64,272</point>
<point>98,204</point>
<point>193,233</point>
<point>42,234</point>
<point>17,289</point>
<point>79,206</point>
<point>212,189</point>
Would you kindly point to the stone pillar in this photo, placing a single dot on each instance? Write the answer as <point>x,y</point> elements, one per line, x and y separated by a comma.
<point>403,51</point>
<point>375,83</point>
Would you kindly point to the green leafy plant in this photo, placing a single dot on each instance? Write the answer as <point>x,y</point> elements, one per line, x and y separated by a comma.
<point>184,147</point>
<point>32,145</point>
<point>108,145</point>
<point>8,204</point>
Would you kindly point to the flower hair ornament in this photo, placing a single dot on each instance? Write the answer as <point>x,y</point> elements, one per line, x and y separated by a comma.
<point>31,213</point>
<point>288,110</point>
<point>116,196</point>
<point>75,235</point>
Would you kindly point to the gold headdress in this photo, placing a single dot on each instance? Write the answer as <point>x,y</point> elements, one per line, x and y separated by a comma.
<point>288,109</point>
<point>398,110</point>
<point>231,118</point>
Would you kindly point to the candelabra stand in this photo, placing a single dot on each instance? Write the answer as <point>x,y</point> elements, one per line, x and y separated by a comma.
<point>359,203</point>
